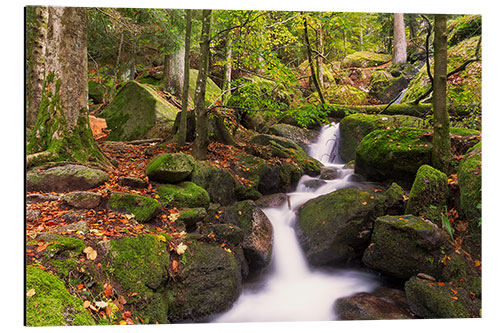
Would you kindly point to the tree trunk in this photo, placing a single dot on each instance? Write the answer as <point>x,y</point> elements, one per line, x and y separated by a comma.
<point>182,131</point>
<point>226,84</point>
<point>117,67</point>
<point>201,141</point>
<point>62,127</point>
<point>319,61</point>
<point>311,63</point>
<point>37,68</point>
<point>441,146</point>
<point>399,55</point>
<point>413,25</point>
<point>173,72</point>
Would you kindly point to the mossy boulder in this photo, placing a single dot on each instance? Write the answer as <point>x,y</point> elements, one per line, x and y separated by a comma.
<point>301,136</point>
<point>189,217</point>
<point>138,112</point>
<point>64,248</point>
<point>219,183</point>
<point>462,272</point>
<point>341,94</point>
<point>336,227</point>
<point>394,154</point>
<point>381,304</point>
<point>65,178</point>
<point>139,265</point>
<point>394,200</point>
<point>224,232</point>
<point>355,127</point>
<point>365,59</point>
<point>464,27</point>
<point>143,208</point>
<point>52,304</point>
<point>469,182</point>
<point>170,168</point>
<point>257,241</point>
<point>429,194</point>
<point>96,92</point>
<point>212,90</point>
<point>82,199</point>
<point>405,245</point>
<point>439,300</point>
<point>209,282</point>
<point>385,87</point>
<point>183,195</point>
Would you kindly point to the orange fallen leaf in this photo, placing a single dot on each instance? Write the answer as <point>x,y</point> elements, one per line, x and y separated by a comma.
<point>80,286</point>
<point>441,284</point>
<point>31,293</point>
<point>364,203</point>
<point>108,290</point>
<point>454,291</point>
<point>454,297</point>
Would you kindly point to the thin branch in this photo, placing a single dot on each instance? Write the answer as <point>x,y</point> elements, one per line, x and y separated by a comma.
<point>281,22</point>
<point>237,26</point>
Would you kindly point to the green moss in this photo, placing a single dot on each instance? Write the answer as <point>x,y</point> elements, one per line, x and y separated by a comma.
<point>67,247</point>
<point>429,194</point>
<point>464,131</point>
<point>339,93</point>
<point>143,208</point>
<point>364,59</point>
<point>184,194</point>
<point>52,304</point>
<point>64,267</point>
<point>212,90</point>
<point>170,168</point>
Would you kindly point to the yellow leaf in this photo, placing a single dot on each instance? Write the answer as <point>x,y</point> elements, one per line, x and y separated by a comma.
<point>90,252</point>
<point>86,304</point>
<point>227,250</point>
<point>31,293</point>
<point>477,263</point>
<point>162,238</point>
<point>123,322</point>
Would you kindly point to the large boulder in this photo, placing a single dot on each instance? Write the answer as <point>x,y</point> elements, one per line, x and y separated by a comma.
<point>336,227</point>
<point>385,87</point>
<point>301,136</point>
<point>429,194</point>
<point>52,304</point>
<point>143,208</point>
<point>363,59</point>
<point>65,178</point>
<point>219,183</point>
<point>405,245</point>
<point>439,300</point>
<point>209,282</point>
<point>257,241</point>
<point>170,168</point>
<point>394,154</point>
<point>383,303</point>
<point>82,199</point>
<point>138,112</point>
<point>183,195</point>
<point>469,183</point>
<point>355,127</point>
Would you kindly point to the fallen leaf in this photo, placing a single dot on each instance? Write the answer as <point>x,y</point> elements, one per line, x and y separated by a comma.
<point>86,304</point>
<point>162,238</point>
<point>108,290</point>
<point>181,248</point>
<point>91,253</point>
<point>31,293</point>
<point>123,322</point>
<point>101,304</point>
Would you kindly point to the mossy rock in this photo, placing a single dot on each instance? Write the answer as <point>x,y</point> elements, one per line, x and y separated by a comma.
<point>463,273</point>
<point>432,300</point>
<point>465,88</point>
<point>469,182</point>
<point>143,208</point>
<point>301,136</point>
<point>183,195</point>
<point>219,183</point>
<point>209,282</point>
<point>405,245</point>
<point>355,127</point>
<point>52,304</point>
<point>189,217</point>
<point>65,178</point>
<point>139,265</point>
<point>170,168</point>
<point>138,112</point>
<point>336,227</point>
<point>464,27</point>
<point>394,200</point>
<point>65,247</point>
<point>96,92</point>
<point>212,90</point>
<point>394,154</point>
<point>341,94</point>
<point>225,232</point>
<point>385,87</point>
<point>429,194</point>
<point>82,200</point>
<point>365,59</point>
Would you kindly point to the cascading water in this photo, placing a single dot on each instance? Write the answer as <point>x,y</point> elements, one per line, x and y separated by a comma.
<point>290,290</point>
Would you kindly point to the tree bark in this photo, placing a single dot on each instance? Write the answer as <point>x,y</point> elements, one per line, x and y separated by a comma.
<point>319,61</point>
<point>173,72</point>
<point>200,146</point>
<point>62,127</point>
<point>37,68</point>
<point>311,63</point>
<point>182,131</point>
<point>399,55</point>
<point>117,67</point>
<point>226,84</point>
<point>441,146</point>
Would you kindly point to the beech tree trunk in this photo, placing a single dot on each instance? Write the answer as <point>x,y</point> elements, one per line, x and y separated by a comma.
<point>399,54</point>
<point>311,63</point>
<point>226,84</point>
<point>37,66</point>
<point>173,72</point>
<point>441,146</point>
<point>182,131</point>
<point>62,127</point>
<point>200,146</point>
<point>319,61</point>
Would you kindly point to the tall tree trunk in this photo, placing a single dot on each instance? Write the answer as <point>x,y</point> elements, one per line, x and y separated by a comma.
<point>441,146</point>
<point>37,67</point>
<point>201,141</point>
<point>319,61</point>
<point>117,67</point>
<point>413,25</point>
<point>399,54</point>
<point>173,72</point>
<point>182,132</point>
<point>226,84</point>
<point>62,128</point>
<point>311,63</point>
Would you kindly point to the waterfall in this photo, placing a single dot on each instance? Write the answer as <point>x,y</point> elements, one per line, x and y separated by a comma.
<point>290,290</point>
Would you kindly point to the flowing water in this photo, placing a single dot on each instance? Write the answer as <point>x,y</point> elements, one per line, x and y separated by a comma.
<point>290,290</point>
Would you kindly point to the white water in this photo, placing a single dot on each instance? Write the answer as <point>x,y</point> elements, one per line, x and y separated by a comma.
<point>290,290</point>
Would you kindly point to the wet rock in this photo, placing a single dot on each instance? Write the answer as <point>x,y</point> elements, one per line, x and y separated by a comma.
<point>65,178</point>
<point>383,303</point>
<point>314,183</point>
<point>301,136</point>
<point>219,183</point>
<point>82,200</point>
<point>330,173</point>
<point>272,200</point>
<point>132,182</point>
